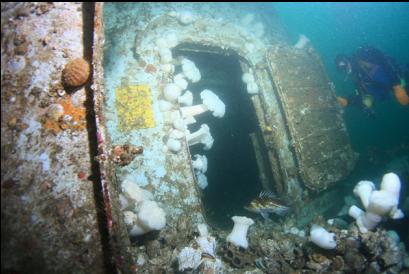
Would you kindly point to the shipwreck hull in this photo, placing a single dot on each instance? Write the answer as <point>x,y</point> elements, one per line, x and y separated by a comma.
<point>301,136</point>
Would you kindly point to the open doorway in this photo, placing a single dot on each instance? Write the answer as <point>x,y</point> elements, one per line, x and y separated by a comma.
<point>232,174</point>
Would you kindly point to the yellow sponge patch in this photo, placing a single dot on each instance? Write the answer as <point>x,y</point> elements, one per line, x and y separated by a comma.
<point>134,106</point>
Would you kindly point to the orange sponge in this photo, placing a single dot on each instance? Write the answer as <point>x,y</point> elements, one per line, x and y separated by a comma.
<point>400,95</point>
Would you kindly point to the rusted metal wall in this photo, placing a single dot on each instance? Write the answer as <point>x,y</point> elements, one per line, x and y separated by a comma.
<point>49,218</point>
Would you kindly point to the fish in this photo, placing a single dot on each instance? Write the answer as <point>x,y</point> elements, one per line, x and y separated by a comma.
<point>267,203</point>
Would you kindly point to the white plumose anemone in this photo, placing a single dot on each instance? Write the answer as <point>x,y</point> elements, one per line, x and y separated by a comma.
<point>165,55</point>
<point>391,184</point>
<point>381,203</point>
<point>172,39</point>
<point>201,180</point>
<point>322,237</point>
<point>141,215</point>
<point>200,163</point>
<point>247,77</point>
<point>190,70</point>
<point>133,193</point>
<point>174,145</point>
<point>210,101</point>
<point>186,99</point>
<point>238,236</point>
<point>202,136</point>
<point>171,92</point>
<point>364,191</point>
<point>180,81</point>
<point>250,82</point>
<point>151,216</point>
<point>377,203</point>
<point>252,88</point>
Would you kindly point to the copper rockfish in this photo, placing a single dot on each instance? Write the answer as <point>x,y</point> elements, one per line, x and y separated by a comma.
<point>266,203</point>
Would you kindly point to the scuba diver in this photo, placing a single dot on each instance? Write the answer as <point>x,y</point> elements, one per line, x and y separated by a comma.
<point>374,75</point>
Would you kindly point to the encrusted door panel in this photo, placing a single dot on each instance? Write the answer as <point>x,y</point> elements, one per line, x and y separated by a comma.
<point>313,118</point>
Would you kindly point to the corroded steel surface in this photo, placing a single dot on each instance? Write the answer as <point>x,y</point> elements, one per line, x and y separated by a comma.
<point>48,212</point>
<point>313,117</point>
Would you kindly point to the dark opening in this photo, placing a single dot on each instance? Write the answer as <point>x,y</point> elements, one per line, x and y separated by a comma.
<point>232,174</point>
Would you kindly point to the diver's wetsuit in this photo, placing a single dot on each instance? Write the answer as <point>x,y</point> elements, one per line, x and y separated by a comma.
<point>374,73</point>
<point>375,76</point>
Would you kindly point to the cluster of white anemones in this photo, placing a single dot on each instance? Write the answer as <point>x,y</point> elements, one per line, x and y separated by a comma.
<point>378,205</point>
<point>141,213</point>
<point>177,106</point>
